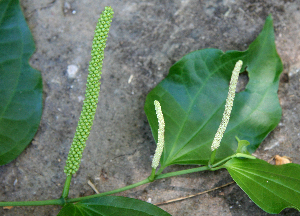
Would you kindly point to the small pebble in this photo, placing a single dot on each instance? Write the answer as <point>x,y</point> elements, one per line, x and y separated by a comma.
<point>72,70</point>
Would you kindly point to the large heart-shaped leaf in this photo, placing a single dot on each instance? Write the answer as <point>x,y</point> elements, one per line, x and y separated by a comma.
<point>112,205</point>
<point>271,187</point>
<point>20,85</point>
<point>193,98</point>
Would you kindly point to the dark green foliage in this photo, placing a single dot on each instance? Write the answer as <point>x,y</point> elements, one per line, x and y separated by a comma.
<point>271,187</point>
<point>20,85</point>
<point>112,206</point>
<point>193,97</point>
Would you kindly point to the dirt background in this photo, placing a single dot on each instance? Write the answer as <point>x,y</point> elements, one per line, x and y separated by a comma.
<point>146,38</point>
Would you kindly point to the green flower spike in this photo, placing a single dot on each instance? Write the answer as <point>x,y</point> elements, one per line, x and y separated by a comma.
<point>92,92</point>
<point>161,136</point>
<point>228,106</point>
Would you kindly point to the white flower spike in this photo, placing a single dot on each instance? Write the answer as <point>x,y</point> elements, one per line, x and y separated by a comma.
<point>161,135</point>
<point>228,106</point>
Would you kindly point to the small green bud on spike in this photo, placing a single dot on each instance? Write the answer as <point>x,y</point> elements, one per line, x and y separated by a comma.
<point>92,92</point>
<point>161,136</point>
<point>228,106</point>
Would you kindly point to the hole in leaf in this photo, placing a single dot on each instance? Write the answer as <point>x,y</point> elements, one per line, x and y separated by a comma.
<point>242,81</point>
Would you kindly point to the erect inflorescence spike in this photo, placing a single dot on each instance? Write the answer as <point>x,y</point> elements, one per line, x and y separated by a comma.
<point>92,92</point>
<point>228,106</point>
<point>161,136</point>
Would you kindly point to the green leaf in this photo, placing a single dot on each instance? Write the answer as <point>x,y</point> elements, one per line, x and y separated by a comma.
<point>242,146</point>
<point>112,205</point>
<point>272,188</point>
<point>193,98</point>
<point>20,85</point>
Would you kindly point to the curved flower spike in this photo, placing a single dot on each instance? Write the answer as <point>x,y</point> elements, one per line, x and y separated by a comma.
<point>228,106</point>
<point>91,94</point>
<point>161,136</point>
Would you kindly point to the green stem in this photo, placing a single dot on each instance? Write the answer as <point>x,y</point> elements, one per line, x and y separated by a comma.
<point>217,168</point>
<point>64,199</point>
<point>182,172</point>
<point>212,157</point>
<point>152,176</point>
<point>145,181</point>
<point>65,192</point>
<point>222,161</point>
<point>160,170</point>
<point>167,175</point>
<point>34,203</point>
<point>230,157</point>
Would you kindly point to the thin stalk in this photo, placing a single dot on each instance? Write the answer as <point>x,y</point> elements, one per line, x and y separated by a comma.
<point>152,176</point>
<point>166,175</point>
<point>230,157</point>
<point>217,168</point>
<point>145,181</point>
<point>64,199</point>
<point>182,172</point>
<point>222,161</point>
<point>160,170</point>
<point>34,203</point>
<point>65,192</point>
<point>212,157</point>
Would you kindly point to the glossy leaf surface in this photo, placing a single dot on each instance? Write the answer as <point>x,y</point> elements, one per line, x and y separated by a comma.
<point>20,85</point>
<point>193,97</point>
<point>271,187</point>
<point>112,206</point>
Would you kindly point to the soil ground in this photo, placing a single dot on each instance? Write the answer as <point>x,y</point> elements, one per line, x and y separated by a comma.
<point>146,38</point>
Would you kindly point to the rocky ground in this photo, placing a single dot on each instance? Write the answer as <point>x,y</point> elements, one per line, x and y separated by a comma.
<point>146,38</point>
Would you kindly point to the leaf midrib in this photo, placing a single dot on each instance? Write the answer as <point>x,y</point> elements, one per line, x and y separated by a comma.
<point>227,131</point>
<point>189,109</point>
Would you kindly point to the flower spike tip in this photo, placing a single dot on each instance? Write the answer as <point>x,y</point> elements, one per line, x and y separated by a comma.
<point>228,106</point>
